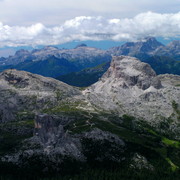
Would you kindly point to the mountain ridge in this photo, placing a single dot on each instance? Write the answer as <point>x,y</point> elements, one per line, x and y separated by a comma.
<point>163,59</point>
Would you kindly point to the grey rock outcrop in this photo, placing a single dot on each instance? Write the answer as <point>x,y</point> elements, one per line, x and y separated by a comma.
<point>140,162</point>
<point>142,48</point>
<point>132,87</point>
<point>22,91</point>
<point>53,144</point>
<point>172,50</point>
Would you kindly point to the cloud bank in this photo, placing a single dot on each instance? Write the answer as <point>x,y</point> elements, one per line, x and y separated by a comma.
<point>93,28</point>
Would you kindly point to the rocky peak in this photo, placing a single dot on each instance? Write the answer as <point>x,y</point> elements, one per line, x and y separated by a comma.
<point>175,43</point>
<point>132,87</point>
<point>144,46</point>
<point>171,50</point>
<point>132,72</point>
<point>151,40</point>
<point>149,44</point>
<point>174,47</point>
<point>22,52</point>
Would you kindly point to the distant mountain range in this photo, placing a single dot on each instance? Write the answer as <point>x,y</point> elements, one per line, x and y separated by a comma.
<point>141,49</point>
<point>53,62</point>
<point>85,77</point>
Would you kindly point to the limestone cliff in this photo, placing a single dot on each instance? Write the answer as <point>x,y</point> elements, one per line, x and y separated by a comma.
<point>132,87</point>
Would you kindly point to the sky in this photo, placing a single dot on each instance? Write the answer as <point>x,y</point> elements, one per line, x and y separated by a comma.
<point>52,22</point>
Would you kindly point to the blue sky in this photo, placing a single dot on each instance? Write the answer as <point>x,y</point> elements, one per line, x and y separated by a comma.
<point>52,22</point>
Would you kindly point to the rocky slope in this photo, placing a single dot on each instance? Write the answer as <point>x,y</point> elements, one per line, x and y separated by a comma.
<point>25,92</point>
<point>129,119</point>
<point>132,87</point>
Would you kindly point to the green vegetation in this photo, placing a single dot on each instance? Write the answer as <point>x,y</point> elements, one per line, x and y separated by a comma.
<point>176,108</point>
<point>24,116</point>
<point>104,174</point>
<point>64,107</point>
<point>59,95</point>
<point>161,151</point>
<point>175,105</point>
<point>173,166</point>
<point>14,132</point>
<point>169,142</point>
<point>85,77</point>
<point>164,64</point>
<point>50,67</point>
<point>136,133</point>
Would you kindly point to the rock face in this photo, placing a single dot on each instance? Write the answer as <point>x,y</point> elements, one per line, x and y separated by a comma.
<point>140,162</point>
<point>143,48</point>
<point>22,91</point>
<point>52,144</point>
<point>172,50</point>
<point>169,80</point>
<point>146,48</point>
<point>53,137</point>
<point>132,87</point>
<point>131,72</point>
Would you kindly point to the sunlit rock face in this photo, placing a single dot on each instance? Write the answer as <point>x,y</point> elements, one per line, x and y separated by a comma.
<point>132,87</point>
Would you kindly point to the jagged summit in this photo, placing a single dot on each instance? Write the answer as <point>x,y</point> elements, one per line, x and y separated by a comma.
<point>151,39</point>
<point>171,50</point>
<point>174,47</point>
<point>132,87</point>
<point>143,47</point>
<point>22,52</point>
<point>175,43</point>
<point>129,71</point>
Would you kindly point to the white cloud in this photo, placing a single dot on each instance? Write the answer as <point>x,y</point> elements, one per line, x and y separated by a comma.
<point>93,28</point>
